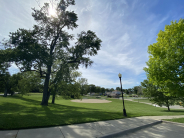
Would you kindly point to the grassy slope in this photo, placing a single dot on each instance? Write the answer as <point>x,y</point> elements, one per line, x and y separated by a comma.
<point>26,112</point>
<point>178,120</point>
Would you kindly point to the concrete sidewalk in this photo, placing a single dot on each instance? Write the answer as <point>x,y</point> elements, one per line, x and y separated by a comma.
<point>99,129</point>
<point>86,130</point>
<point>163,130</point>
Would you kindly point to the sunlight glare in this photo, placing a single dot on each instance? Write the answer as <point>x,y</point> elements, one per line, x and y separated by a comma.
<point>52,11</point>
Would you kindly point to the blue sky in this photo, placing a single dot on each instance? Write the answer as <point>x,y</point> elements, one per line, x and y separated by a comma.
<point>126,28</point>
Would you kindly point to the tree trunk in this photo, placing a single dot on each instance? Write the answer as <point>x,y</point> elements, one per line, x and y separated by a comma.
<point>168,108</point>
<point>12,93</point>
<point>167,103</point>
<point>46,93</point>
<point>53,98</point>
<point>5,92</point>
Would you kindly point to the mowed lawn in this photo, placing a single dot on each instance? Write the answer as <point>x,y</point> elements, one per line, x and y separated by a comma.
<point>26,112</point>
<point>177,120</point>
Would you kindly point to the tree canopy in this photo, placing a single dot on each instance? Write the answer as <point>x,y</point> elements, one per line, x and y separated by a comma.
<point>38,49</point>
<point>165,67</point>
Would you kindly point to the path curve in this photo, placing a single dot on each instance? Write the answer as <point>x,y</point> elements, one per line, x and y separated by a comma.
<point>91,101</point>
<point>172,107</point>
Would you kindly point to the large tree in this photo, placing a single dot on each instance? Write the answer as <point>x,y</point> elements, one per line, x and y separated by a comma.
<point>166,61</point>
<point>48,42</point>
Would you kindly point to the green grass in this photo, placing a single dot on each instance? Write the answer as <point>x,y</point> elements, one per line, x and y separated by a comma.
<point>26,112</point>
<point>178,120</point>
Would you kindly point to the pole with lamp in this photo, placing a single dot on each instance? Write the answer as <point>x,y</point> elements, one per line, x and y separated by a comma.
<point>124,110</point>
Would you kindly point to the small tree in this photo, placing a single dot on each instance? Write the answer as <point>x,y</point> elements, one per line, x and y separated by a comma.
<point>152,92</point>
<point>107,90</point>
<point>65,76</point>
<point>118,88</point>
<point>92,88</point>
<point>137,90</point>
<point>5,83</point>
<point>4,74</point>
<point>69,90</point>
<point>112,89</point>
<point>83,85</point>
<point>103,90</point>
<point>28,81</point>
<point>98,89</point>
<point>130,90</point>
<point>126,91</point>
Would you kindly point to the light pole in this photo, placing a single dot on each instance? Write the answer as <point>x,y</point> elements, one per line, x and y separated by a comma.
<point>90,90</point>
<point>124,111</point>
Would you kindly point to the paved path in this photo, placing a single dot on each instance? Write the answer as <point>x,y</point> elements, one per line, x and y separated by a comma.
<point>163,130</point>
<point>160,117</point>
<point>172,107</point>
<point>99,129</point>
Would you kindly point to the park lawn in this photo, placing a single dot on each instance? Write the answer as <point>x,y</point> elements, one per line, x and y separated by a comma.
<point>26,112</point>
<point>178,120</point>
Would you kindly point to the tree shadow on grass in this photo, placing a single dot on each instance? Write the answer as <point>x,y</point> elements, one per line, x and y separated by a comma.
<point>35,102</point>
<point>174,110</point>
<point>33,115</point>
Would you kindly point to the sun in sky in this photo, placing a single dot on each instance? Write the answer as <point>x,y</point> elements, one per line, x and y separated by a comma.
<point>52,11</point>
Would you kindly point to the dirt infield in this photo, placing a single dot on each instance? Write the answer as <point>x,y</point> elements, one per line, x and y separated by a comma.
<point>91,101</point>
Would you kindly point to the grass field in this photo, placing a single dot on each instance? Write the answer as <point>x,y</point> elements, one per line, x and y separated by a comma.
<point>178,120</point>
<point>26,112</point>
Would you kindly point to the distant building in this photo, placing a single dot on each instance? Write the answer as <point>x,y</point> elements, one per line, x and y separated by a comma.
<point>108,93</point>
<point>116,92</point>
<point>92,94</point>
